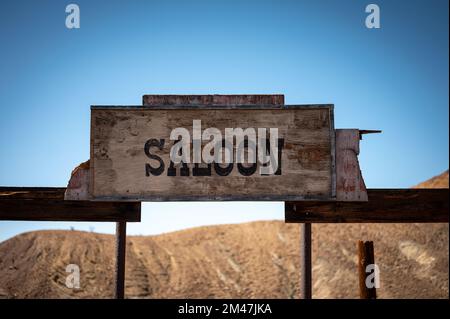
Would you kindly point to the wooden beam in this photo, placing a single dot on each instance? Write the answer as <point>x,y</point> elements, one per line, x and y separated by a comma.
<point>366,257</point>
<point>384,206</point>
<point>48,204</point>
<point>121,244</point>
<point>32,192</point>
<point>213,100</point>
<point>305,261</point>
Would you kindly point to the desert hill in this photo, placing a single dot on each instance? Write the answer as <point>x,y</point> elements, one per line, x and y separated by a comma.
<point>439,181</point>
<point>252,260</point>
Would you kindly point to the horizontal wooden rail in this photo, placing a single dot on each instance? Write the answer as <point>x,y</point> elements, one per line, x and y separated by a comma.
<point>384,206</point>
<point>32,192</point>
<point>48,204</point>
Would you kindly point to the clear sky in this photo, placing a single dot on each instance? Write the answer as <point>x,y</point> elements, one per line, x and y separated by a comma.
<point>394,78</point>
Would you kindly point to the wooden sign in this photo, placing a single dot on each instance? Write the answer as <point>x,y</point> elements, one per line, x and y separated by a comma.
<point>165,153</point>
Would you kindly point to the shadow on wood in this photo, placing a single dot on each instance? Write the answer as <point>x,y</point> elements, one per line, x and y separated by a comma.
<point>384,206</point>
<point>48,204</point>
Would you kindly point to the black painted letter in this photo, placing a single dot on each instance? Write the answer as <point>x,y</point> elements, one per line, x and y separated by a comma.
<point>149,170</point>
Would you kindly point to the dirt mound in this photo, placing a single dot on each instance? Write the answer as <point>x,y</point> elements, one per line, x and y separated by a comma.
<point>439,181</point>
<point>252,260</point>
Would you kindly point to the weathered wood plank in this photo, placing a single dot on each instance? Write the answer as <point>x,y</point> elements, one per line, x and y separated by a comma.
<point>118,161</point>
<point>78,186</point>
<point>213,100</point>
<point>48,204</point>
<point>32,192</point>
<point>349,181</point>
<point>384,206</point>
<point>366,257</point>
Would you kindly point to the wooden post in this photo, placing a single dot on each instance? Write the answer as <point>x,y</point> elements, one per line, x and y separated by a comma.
<point>121,235</point>
<point>305,261</point>
<point>365,258</point>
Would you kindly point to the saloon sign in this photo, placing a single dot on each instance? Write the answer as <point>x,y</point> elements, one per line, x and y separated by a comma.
<point>212,153</point>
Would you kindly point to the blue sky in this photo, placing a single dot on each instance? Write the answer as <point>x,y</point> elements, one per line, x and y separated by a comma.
<point>394,78</point>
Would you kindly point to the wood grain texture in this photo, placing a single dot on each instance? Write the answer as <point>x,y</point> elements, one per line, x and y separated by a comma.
<point>118,136</point>
<point>366,257</point>
<point>7,192</point>
<point>350,184</point>
<point>384,206</point>
<point>78,186</point>
<point>48,204</point>
<point>213,99</point>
